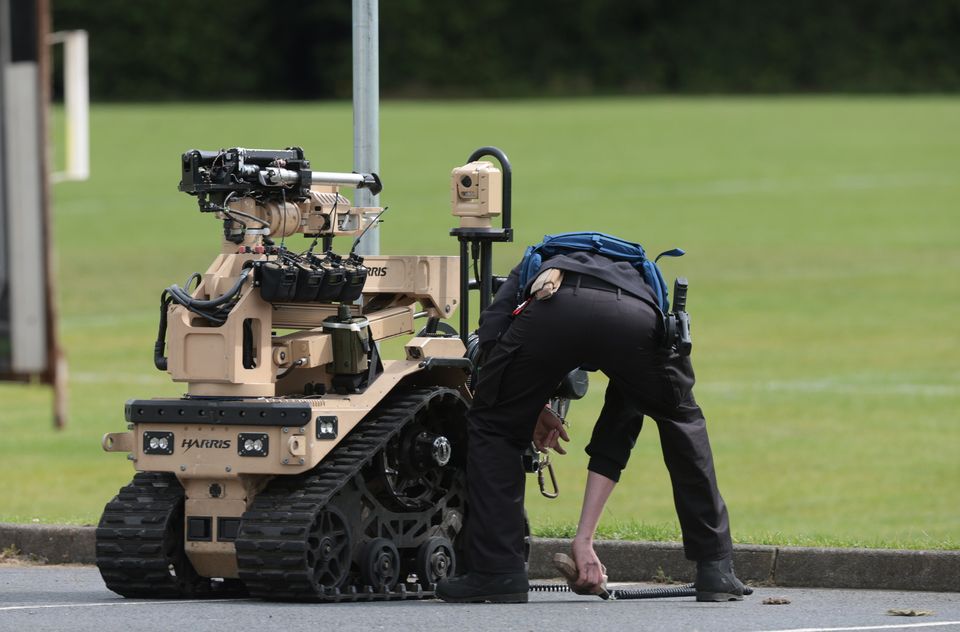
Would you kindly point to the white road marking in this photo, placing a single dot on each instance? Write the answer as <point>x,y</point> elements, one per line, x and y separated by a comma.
<point>899,626</point>
<point>159,602</point>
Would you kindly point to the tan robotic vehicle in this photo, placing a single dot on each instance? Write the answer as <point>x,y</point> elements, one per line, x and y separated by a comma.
<point>300,464</point>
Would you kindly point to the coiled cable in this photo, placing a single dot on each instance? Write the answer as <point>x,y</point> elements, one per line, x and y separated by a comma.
<point>181,296</point>
<point>684,590</point>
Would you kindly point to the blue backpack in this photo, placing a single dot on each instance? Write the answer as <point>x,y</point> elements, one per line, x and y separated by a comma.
<point>601,244</point>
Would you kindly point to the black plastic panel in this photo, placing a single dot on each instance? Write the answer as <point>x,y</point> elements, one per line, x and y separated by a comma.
<point>227,529</point>
<point>217,412</point>
<point>199,529</point>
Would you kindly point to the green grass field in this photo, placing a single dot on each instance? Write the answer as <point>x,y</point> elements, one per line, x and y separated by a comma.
<point>824,257</point>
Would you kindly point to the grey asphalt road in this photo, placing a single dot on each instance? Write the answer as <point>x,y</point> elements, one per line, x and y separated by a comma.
<point>74,598</point>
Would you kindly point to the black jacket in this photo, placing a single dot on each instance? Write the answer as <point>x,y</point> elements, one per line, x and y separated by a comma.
<point>496,318</point>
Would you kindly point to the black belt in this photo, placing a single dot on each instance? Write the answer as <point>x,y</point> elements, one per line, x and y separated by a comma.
<point>575,280</point>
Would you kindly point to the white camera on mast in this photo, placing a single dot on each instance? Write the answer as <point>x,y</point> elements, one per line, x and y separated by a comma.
<point>476,194</point>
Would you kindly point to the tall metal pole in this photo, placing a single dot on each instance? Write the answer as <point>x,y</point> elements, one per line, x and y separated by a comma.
<point>366,108</point>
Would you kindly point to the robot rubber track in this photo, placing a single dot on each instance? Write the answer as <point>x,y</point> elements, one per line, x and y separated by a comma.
<point>139,545</point>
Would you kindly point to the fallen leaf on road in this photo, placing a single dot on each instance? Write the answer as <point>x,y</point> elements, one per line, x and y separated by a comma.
<point>897,612</point>
<point>775,601</point>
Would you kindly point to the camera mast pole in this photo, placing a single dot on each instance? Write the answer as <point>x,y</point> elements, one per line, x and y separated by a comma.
<point>366,110</point>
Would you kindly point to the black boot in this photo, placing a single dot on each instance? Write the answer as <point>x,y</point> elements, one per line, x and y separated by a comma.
<point>478,587</point>
<point>716,581</point>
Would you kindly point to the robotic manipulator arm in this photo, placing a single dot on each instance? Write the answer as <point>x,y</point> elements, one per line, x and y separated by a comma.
<point>276,190</point>
<point>260,194</point>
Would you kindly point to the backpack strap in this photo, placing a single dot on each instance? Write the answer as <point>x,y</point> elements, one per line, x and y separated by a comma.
<point>529,265</point>
<point>676,252</point>
<point>653,277</point>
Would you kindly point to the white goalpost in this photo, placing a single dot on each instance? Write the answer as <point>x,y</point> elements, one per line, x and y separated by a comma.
<point>76,96</point>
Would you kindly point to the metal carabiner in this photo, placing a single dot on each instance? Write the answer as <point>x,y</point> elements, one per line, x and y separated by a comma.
<point>546,464</point>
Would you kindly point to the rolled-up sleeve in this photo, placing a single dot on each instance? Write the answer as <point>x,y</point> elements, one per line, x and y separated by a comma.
<point>614,434</point>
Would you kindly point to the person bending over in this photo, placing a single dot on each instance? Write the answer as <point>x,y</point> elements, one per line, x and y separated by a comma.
<point>604,316</point>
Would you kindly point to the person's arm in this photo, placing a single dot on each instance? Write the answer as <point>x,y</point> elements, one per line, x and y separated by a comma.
<point>614,434</point>
<point>496,318</point>
<point>595,496</point>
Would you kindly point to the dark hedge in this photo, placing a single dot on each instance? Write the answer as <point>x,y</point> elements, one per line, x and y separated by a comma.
<point>249,49</point>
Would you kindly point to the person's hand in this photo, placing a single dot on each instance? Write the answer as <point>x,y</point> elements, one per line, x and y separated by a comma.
<point>592,579</point>
<point>549,431</point>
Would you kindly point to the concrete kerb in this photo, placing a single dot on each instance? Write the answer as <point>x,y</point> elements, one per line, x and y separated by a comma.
<point>50,544</point>
<point>773,566</point>
<point>630,561</point>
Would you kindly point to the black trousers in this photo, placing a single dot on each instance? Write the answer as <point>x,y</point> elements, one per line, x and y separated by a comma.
<point>619,335</point>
